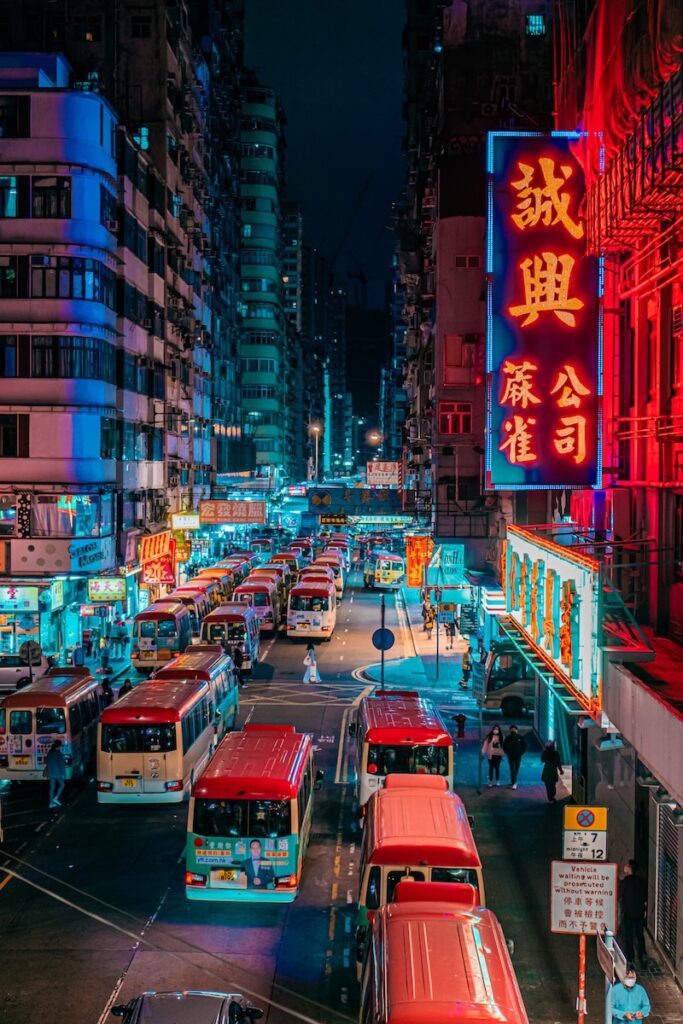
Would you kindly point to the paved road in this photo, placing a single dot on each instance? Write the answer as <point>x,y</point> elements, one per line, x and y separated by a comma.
<point>100,913</point>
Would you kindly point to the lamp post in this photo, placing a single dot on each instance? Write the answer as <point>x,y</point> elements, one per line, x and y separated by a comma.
<point>315,429</point>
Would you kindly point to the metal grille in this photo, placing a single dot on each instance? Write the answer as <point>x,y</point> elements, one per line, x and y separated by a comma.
<point>667,881</point>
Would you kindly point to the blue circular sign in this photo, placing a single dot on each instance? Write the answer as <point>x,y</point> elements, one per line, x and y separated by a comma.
<point>585,818</point>
<point>383,639</point>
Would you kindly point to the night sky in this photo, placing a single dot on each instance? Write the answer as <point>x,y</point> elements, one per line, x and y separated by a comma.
<point>337,65</point>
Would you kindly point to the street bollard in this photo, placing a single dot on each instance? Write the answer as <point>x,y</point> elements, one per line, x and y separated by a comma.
<point>460,723</point>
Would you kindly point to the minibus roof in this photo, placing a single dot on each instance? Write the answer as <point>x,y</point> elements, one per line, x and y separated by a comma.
<point>52,690</point>
<point>437,958</point>
<point>192,663</point>
<point>414,825</point>
<point>229,612</point>
<point>309,588</point>
<point>154,701</point>
<point>202,583</point>
<point>402,721</point>
<point>256,764</point>
<point>261,584</point>
<point>168,608</point>
<point>180,590</point>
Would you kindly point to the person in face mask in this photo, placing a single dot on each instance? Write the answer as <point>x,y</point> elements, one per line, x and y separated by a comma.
<point>629,1000</point>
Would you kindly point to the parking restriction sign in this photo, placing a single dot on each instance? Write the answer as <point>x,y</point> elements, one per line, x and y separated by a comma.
<point>583,897</point>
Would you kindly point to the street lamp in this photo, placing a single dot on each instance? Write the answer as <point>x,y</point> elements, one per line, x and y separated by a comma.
<point>315,430</point>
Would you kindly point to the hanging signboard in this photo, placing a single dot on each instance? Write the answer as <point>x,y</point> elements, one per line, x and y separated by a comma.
<point>157,558</point>
<point>418,552</point>
<point>543,319</point>
<point>384,474</point>
<point>19,599</point>
<point>354,501</point>
<point>185,521</point>
<point>107,588</point>
<point>234,512</point>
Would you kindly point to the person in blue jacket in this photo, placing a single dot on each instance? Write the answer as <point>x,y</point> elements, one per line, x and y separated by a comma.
<point>629,1000</point>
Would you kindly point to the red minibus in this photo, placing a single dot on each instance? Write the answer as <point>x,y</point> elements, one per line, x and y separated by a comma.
<point>434,956</point>
<point>263,595</point>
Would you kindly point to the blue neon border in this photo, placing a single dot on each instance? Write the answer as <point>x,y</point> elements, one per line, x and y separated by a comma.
<point>488,446</point>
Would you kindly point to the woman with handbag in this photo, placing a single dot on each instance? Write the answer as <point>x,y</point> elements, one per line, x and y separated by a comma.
<point>311,673</point>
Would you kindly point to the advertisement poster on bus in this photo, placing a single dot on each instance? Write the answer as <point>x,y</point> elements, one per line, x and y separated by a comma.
<point>418,553</point>
<point>246,863</point>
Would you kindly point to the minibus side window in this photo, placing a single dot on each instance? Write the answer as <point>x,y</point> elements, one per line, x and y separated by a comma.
<point>374,890</point>
<point>455,875</point>
<point>75,719</point>
<point>3,720</point>
<point>167,628</point>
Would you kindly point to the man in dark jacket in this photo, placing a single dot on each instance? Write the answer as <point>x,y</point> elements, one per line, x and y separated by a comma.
<point>633,905</point>
<point>514,746</point>
<point>238,663</point>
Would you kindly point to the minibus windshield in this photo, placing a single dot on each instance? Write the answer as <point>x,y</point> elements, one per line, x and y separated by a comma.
<point>418,760</point>
<point>299,603</point>
<point>227,630</point>
<point>138,739</point>
<point>253,818</point>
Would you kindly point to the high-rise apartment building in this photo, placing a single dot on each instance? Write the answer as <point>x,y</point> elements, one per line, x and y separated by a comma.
<point>296,366</point>
<point>263,342</point>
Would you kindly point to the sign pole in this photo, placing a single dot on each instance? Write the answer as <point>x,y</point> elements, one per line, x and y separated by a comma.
<point>481,740</point>
<point>608,939</point>
<point>581,1001</point>
<point>382,617</point>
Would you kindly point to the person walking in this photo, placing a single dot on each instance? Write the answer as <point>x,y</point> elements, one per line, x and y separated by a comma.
<point>430,619</point>
<point>492,749</point>
<point>114,640</point>
<point>629,999</point>
<point>238,662</point>
<point>310,661</point>
<point>466,668</point>
<point>78,656</point>
<point>450,633</point>
<point>107,693</point>
<point>55,770</point>
<point>552,769</point>
<point>105,654</point>
<point>427,611</point>
<point>126,688</point>
<point>514,747</point>
<point>633,912</point>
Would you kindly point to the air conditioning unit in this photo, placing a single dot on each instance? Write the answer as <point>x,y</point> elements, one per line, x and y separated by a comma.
<point>112,225</point>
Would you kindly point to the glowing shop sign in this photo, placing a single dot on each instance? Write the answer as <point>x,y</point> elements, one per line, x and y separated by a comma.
<point>552,593</point>
<point>543,323</point>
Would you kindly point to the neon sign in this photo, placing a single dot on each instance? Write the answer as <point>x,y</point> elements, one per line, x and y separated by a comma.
<point>543,324</point>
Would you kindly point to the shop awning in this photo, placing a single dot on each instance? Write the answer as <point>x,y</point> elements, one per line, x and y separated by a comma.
<point>553,683</point>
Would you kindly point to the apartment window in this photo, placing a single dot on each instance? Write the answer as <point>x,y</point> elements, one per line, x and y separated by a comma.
<point>259,366</point>
<point>70,515</point>
<point>107,205</point>
<point>257,151</point>
<point>458,354</point>
<point>9,196</point>
<point>262,311</point>
<point>141,26</point>
<point>467,262</point>
<point>8,355</point>
<point>258,284</point>
<point>11,285</point>
<point>73,357</point>
<point>259,256</point>
<point>455,417</point>
<point>246,231</point>
<point>51,198</point>
<point>15,117</point>
<point>67,277</point>
<point>108,438</point>
<point>259,391</point>
<point>259,204</point>
<point>13,436</point>
<point>87,28</point>
<point>260,338</point>
<point>535,24</point>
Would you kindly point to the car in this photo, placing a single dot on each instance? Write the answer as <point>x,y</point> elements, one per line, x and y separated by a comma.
<point>15,673</point>
<point>187,1007</point>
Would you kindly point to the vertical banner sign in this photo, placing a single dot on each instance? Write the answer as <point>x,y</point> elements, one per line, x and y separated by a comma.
<point>544,340</point>
<point>418,552</point>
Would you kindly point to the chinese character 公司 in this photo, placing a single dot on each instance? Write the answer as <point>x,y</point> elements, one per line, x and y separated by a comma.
<point>518,443</point>
<point>544,203</point>
<point>570,438</point>
<point>546,289</point>
<point>519,384</point>
<point>572,390</point>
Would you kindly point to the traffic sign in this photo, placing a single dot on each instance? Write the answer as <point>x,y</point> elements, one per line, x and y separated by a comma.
<point>30,651</point>
<point>383,639</point>
<point>584,844</point>
<point>593,818</point>
<point>583,897</point>
<point>612,959</point>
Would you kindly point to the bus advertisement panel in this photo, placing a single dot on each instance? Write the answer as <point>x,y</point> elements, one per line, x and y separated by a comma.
<point>249,819</point>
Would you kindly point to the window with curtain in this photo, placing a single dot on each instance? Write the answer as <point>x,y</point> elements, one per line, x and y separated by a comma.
<point>51,197</point>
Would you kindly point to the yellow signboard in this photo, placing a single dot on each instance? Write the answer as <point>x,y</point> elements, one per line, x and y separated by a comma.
<point>592,819</point>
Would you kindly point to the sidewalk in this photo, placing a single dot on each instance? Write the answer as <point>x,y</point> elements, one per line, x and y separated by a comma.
<point>518,834</point>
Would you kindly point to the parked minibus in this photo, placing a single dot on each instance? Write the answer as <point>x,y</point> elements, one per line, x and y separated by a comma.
<point>343,552</point>
<point>510,683</point>
<point>238,566</point>
<point>415,829</point>
<point>210,663</point>
<point>283,569</point>
<point>249,819</point>
<point>64,704</point>
<point>160,633</point>
<point>384,571</point>
<point>196,601</point>
<point>291,558</point>
<point>154,741</point>
<point>312,610</point>
<point>276,575</point>
<point>397,731</point>
<point>263,596</point>
<point>234,623</point>
<point>334,563</point>
<point>264,545</point>
<point>221,575</point>
<point>207,585</point>
<point>435,956</point>
<point>317,572</point>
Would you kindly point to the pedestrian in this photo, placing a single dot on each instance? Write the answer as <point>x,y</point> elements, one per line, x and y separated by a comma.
<point>107,693</point>
<point>466,667</point>
<point>55,770</point>
<point>126,688</point>
<point>238,662</point>
<point>78,656</point>
<point>552,769</point>
<point>492,749</point>
<point>514,747</point>
<point>105,653</point>
<point>426,611</point>
<point>629,999</point>
<point>633,912</point>
<point>125,638</point>
<point>115,641</point>
<point>430,619</point>
<point>311,663</point>
<point>450,633</point>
